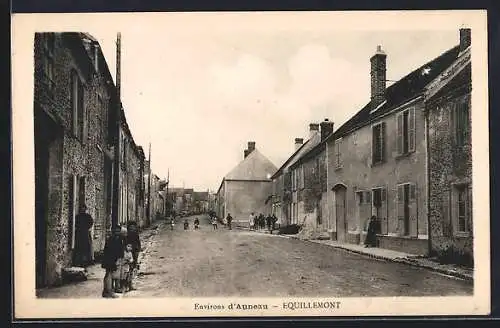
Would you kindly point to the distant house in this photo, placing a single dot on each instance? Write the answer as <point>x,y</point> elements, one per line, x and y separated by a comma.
<point>377,161</point>
<point>448,109</point>
<point>246,188</point>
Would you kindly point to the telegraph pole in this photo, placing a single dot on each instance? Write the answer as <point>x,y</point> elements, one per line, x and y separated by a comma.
<point>116,164</point>
<point>149,186</point>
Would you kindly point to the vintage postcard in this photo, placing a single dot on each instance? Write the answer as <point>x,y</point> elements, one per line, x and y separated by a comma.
<point>251,164</point>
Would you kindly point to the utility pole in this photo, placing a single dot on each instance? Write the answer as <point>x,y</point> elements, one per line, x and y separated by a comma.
<point>116,164</point>
<point>167,212</point>
<point>149,186</point>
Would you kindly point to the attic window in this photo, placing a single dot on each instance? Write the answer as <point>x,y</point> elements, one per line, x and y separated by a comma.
<point>426,71</point>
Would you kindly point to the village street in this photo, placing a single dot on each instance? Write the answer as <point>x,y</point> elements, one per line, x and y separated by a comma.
<point>242,263</point>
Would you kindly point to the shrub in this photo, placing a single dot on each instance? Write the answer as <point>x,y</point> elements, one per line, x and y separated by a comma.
<point>454,255</point>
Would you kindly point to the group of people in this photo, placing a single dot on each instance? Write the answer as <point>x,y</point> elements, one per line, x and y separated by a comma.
<point>120,256</point>
<point>196,223</point>
<point>260,222</point>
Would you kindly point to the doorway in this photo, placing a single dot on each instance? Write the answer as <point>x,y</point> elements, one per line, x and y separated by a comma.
<point>45,133</point>
<point>340,211</point>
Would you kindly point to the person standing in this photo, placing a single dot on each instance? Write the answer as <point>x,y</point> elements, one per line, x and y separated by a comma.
<point>251,221</point>
<point>134,240</point>
<point>229,219</point>
<point>371,235</point>
<point>83,238</point>
<point>113,250</point>
<point>214,222</point>
<point>269,220</point>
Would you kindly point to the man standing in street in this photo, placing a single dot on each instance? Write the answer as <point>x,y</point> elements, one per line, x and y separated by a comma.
<point>229,219</point>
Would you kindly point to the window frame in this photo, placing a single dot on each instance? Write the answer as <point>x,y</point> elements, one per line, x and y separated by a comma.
<point>464,188</point>
<point>378,149</point>
<point>338,160</point>
<point>406,139</point>
<point>461,126</point>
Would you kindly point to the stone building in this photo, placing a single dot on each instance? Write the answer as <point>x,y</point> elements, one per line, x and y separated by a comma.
<point>132,188</point>
<point>448,109</point>
<point>246,188</point>
<point>377,161</point>
<point>281,198</point>
<point>309,184</point>
<point>73,98</point>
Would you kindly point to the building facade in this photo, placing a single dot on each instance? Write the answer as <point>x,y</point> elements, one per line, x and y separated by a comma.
<point>309,184</point>
<point>247,187</point>
<point>73,98</point>
<point>377,161</point>
<point>448,113</point>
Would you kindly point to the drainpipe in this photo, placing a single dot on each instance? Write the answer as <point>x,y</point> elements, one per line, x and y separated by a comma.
<point>429,239</point>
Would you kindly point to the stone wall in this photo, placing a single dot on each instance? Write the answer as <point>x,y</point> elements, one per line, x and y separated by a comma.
<point>71,156</point>
<point>449,165</point>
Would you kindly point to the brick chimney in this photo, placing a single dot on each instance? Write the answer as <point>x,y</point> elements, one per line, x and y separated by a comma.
<point>298,143</point>
<point>326,128</point>
<point>465,38</point>
<point>378,77</point>
<point>313,129</point>
<point>245,153</point>
<point>251,146</point>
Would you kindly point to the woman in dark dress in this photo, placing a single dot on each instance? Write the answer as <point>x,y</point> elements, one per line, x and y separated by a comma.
<point>83,238</point>
<point>371,236</point>
<point>113,250</point>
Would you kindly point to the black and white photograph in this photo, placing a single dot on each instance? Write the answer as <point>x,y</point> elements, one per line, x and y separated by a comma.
<point>251,164</point>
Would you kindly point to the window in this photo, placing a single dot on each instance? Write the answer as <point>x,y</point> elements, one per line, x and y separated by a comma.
<point>360,197</point>
<point>48,60</point>
<point>378,143</point>
<point>406,131</point>
<point>301,181</point>
<point>462,208</point>
<point>338,154</point>
<point>78,111</point>
<point>461,122</point>
<point>379,197</point>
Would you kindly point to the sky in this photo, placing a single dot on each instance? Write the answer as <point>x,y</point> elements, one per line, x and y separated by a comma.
<point>200,95</point>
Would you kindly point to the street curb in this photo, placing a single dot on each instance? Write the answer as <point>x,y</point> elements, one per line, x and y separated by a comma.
<point>401,260</point>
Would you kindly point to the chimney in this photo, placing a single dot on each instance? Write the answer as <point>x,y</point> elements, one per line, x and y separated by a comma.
<point>313,129</point>
<point>251,146</point>
<point>118,65</point>
<point>326,128</point>
<point>245,153</point>
<point>465,38</point>
<point>298,142</point>
<point>378,77</point>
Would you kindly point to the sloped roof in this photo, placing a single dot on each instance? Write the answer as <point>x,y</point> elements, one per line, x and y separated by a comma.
<point>409,87</point>
<point>254,167</point>
<point>286,163</point>
<point>311,144</point>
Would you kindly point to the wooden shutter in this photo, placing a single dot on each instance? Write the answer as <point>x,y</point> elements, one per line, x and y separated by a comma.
<point>73,192</point>
<point>411,130</point>
<point>382,141</point>
<point>400,209</point>
<point>446,223</point>
<point>400,138</point>
<point>413,210</point>
<point>81,191</point>
<point>469,221</point>
<point>374,144</point>
<point>74,102</point>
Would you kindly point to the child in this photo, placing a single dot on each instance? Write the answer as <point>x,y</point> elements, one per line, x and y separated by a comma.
<point>133,239</point>
<point>117,276</point>
<point>186,224</point>
<point>112,252</point>
<point>196,223</point>
<point>214,222</point>
<point>172,223</point>
<point>127,268</point>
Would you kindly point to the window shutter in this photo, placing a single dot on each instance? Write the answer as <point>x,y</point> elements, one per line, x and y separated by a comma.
<point>413,210</point>
<point>383,195</point>
<point>400,134</point>
<point>369,197</point>
<point>469,221</point>
<point>73,210</point>
<point>411,130</point>
<point>374,144</point>
<point>447,225</point>
<point>74,102</point>
<point>382,141</point>
<point>400,209</point>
